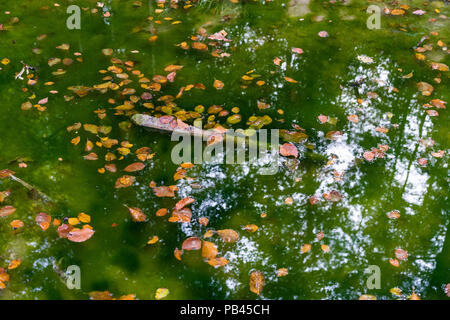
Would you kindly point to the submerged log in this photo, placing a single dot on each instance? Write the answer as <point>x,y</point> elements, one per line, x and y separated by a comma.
<point>169,124</point>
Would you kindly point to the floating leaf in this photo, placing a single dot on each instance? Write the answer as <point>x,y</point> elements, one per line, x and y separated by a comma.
<point>396,291</point>
<point>367,297</point>
<point>228,235</point>
<point>401,254</point>
<point>184,202</point>
<point>153,240</point>
<point>218,262</point>
<point>425,88</point>
<point>192,243</point>
<point>161,293</point>
<point>124,181</point>
<point>163,192</point>
<point>209,250</point>
<point>394,262</point>
<point>6,211</point>
<point>257,282</point>
<point>282,272</point>
<point>218,84</point>
<point>332,196</point>
<point>137,215</point>
<point>305,248</point>
<point>288,149</point>
<point>251,227</point>
<point>178,253</point>
<point>14,264</point>
<point>100,295</point>
<point>80,235</point>
<point>394,214</point>
<point>137,166</point>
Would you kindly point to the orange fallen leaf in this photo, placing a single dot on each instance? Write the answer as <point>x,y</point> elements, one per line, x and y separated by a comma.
<point>251,227</point>
<point>256,282</point>
<point>305,248</point>
<point>218,84</point>
<point>228,235</point>
<point>137,166</point>
<point>282,272</point>
<point>16,224</point>
<point>14,264</point>
<point>184,202</point>
<point>163,191</point>
<point>178,253</point>
<point>124,181</point>
<point>209,250</point>
<point>161,212</point>
<point>394,262</point>
<point>137,215</point>
<point>218,262</point>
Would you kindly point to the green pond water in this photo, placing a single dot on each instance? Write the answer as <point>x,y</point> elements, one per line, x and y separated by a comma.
<point>330,78</point>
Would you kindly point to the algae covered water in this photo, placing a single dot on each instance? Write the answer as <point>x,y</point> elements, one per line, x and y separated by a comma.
<point>358,207</point>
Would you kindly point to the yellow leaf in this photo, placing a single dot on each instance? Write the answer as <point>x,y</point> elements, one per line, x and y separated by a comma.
<point>161,293</point>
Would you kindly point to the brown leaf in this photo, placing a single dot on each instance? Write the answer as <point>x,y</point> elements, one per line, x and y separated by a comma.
<point>228,235</point>
<point>137,215</point>
<point>257,282</point>
<point>125,181</point>
<point>182,215</point>
<point>137,166</point>
<point>80,235</point>
<point>192,243</point>
<point>163,191</point>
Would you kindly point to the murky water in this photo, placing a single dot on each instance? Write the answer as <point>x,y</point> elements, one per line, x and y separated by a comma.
<point>331,81</point>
